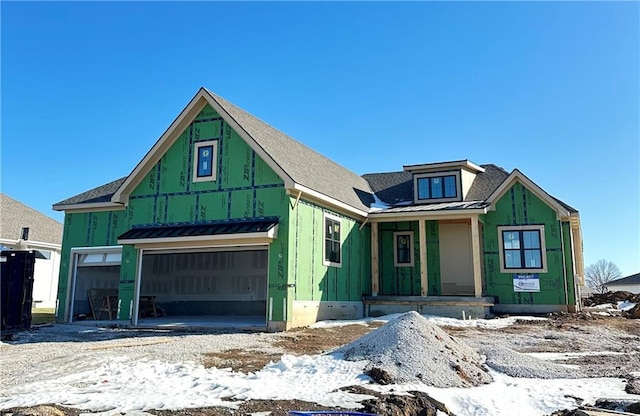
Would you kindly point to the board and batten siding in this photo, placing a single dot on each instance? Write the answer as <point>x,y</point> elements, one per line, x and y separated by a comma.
<point>398,280</point>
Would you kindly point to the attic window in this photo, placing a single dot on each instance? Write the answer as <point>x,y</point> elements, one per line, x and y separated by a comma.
<point>204,161</point>
<point>437,187</point>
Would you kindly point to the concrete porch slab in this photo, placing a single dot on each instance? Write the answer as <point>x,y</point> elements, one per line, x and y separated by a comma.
<point>461,307</point>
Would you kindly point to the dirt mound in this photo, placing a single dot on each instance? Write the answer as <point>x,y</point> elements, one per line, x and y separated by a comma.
<point>411,349</point>
<point>415,403</point>
<point>611,297</point>
<point>633,313</point>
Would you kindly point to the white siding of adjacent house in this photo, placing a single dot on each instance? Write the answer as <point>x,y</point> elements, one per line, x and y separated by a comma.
<point>45,275</point>
<point>45,281</point>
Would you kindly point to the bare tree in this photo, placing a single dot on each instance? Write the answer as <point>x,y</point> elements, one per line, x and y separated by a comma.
<point>600,273</point>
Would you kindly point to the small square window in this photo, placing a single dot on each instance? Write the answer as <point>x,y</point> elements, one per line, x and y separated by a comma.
<point>332,243</point>
<point>204,161</point>
<point>403,249</point>
<point>522,249</point>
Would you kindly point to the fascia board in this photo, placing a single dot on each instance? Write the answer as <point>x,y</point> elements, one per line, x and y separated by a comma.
<point>187,115</point>
<point>517,176</point>
<point>456,164</point>
<point>260,237</point>
<point>327,200</point>
<point>97,206</point>
<point>33,244</point>
<point>425,215</point>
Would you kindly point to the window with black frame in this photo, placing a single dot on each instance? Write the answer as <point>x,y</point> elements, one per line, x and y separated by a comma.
<point>332,241</point>
<point>403,242</point>
<point>522,249</point>
<point>437,187</point>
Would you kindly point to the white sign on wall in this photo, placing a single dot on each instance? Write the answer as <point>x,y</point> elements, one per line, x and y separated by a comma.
<point>526,283</point>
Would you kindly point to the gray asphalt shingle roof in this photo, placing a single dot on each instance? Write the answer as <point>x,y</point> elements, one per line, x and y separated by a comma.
<point>310,169</point>
<point>394,188</point>
<point>14,215</point>
<point>303,164</point>
<point>102,193</point>
<point>629,280</point>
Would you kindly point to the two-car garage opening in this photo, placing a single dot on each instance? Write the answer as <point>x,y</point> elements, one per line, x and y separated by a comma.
<point>199,274</point>
<point>221,283</point>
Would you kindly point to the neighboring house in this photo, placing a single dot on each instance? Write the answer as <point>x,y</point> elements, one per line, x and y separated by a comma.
<point>627,284</point>
<point>44,237</point>
<point>586,291</point>
<point>227,216</point>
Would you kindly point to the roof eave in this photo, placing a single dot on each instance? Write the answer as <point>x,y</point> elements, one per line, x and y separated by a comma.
<point>339,205</point>
<point>91,206</point>
<point>465,164</point>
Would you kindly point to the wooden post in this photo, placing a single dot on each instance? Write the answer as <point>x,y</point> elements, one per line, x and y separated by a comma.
<point>422,233</point>
<point>475,254</point>
<point>375,277</point>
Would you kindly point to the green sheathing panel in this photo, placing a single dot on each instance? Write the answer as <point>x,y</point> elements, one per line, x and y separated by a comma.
<point>568,261</point>
<point>398,280</point>
<point>519,206</point>
<point>245,188</point>
<point>312,279</point>
<point>126,287</point>
<point>86,229</point>
<point>278,252</point>
<point>433,258</point>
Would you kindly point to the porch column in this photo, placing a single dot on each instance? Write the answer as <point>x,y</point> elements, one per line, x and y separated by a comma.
<point>375,276</point>
<point>475,254</point>
<point>422,233</point>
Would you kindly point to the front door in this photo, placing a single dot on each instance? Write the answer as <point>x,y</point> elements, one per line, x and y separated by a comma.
<point>456,262</point>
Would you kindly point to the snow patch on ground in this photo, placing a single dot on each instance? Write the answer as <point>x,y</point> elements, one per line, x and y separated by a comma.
<point>110,370</point>
<point>531,397</point>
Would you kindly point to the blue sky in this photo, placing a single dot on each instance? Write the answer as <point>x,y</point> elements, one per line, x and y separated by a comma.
<point>549,88</point>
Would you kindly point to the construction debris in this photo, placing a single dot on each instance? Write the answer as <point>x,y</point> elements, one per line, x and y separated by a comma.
<point>611,297</point>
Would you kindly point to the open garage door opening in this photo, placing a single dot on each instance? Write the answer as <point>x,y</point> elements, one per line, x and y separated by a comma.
<point>227,287</point>
<point>96,276</point>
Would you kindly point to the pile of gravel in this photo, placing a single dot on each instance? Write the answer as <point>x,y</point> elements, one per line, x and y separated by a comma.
<point>411,349</point>
<point>515,364</point>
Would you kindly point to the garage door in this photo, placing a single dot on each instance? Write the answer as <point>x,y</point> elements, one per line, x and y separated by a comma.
<point>231,282</point>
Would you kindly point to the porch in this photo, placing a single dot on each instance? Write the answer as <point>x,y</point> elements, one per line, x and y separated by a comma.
<point>461,307</point>
<point>426,256</point>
